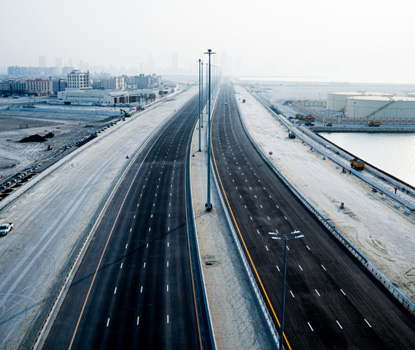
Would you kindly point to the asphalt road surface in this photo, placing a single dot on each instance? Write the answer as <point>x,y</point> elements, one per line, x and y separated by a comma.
<point>331,301</point>
<point>136,287</point>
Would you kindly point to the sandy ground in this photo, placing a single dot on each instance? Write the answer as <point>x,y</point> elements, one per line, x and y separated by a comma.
<point>16,125</point>
<point>236,316</point>
<point>51,217</point>
<point>382,233</point>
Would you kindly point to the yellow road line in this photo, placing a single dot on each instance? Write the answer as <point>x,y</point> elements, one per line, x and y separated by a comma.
<point>245,248</point>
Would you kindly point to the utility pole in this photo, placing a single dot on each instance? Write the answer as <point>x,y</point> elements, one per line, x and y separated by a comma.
<point>284,237</point>
<point>200,104</point>
<point>209,204</point>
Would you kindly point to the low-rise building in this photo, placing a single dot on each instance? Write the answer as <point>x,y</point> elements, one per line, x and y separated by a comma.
<point>78,80</point>
<point>107,97</point>
<point>39,87</point>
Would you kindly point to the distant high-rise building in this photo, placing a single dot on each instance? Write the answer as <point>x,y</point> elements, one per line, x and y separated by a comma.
<point>58,62</point>
<point>150,63</point>
<point>42,61</point>
<point>141,67</point>
<point>174,61</point>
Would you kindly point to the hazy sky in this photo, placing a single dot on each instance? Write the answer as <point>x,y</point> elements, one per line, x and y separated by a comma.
<point>353,40</point>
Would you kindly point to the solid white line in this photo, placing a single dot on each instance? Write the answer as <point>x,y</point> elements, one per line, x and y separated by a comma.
<point>138,320</point>
<point>300,267</point>
<point>317,292</point>
<point>108,321</point>
<point>323,267</point>
<point>310,326</point>
<point>368,323</point>
<point>267,248</point>
<point>144,266</point>
<point>121,265</point>
<point>292,293</point>
<point>341,290</point>
<point>141,289</point>
<point>278,268</point>
<point>339,324</point>
<point>115,290</point>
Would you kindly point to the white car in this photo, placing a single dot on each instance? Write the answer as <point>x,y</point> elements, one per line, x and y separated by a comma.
<point>5,228</point>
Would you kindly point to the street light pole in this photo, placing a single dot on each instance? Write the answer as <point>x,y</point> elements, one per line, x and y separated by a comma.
<point>201,85</point>
<point>284,237</point>
<point>209,204</point>
<point>200,108</point>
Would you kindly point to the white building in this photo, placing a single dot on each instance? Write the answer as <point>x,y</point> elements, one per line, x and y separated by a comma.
<point>39,86</point>
<point>114,83</point>
<point>381,108</point>
<point>78,80</point>
<point>107,97</point>
<point>336,101</point>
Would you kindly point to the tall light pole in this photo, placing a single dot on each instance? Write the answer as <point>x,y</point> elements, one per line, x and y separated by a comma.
<point>284,237</point>
<point>201,85</point>
<point>200,105</point>
<point>209,204</point>
<point>207,82</point>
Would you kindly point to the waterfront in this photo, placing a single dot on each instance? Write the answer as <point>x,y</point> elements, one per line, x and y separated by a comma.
<point>392,153</point>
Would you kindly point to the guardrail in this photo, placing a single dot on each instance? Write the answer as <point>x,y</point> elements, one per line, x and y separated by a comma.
<point>409,305</point>
<point>341,162</point>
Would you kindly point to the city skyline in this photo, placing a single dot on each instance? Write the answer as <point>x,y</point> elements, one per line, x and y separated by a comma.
<point>335,41</point>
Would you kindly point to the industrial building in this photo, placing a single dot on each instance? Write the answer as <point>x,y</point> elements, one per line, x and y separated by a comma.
<point>385,109</point>
<point>336,101</point>
<point>106,97</point>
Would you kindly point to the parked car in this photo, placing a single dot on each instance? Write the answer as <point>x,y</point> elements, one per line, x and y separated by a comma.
<point>6,228</point>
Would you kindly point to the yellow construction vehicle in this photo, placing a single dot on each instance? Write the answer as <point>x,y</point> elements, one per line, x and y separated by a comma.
<point>357,164</point>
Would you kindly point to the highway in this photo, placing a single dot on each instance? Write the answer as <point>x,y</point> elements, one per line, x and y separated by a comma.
<point>137,286</point>
<point>331,301</point>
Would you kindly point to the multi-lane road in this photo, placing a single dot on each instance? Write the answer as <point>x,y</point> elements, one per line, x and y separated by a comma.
<point>331,302</point>
<point>137,286</point>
